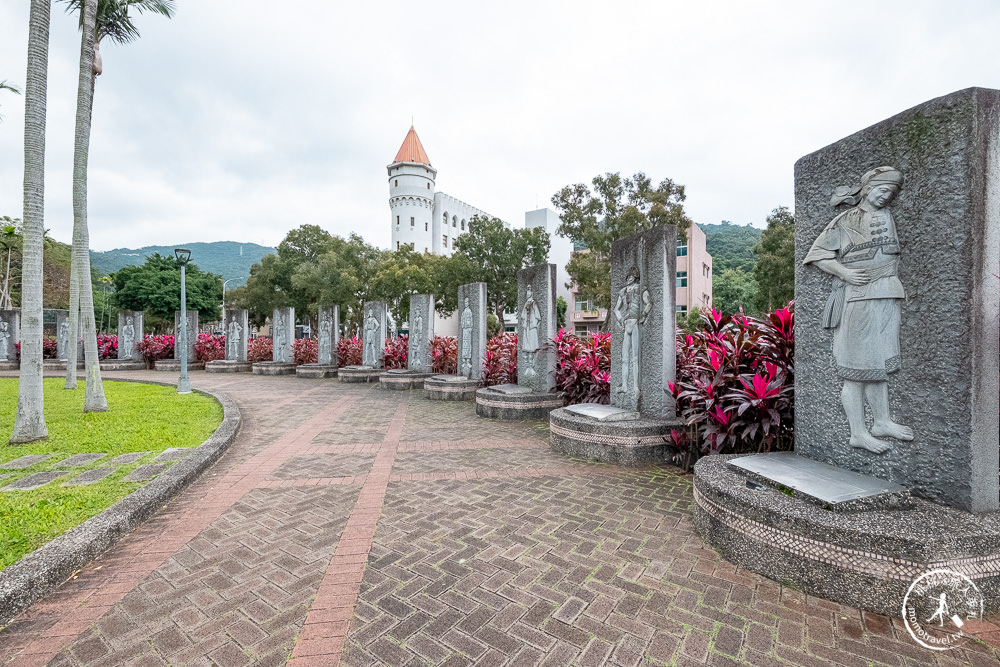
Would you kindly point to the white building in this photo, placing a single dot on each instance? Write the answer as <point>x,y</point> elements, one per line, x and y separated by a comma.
<point>560,248</point>
<point>429,220</point>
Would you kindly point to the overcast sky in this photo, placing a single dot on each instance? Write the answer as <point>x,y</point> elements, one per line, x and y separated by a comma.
<point>239,121</point>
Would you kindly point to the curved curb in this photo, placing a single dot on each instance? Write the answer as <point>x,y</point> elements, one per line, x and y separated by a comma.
<point>42,570</point>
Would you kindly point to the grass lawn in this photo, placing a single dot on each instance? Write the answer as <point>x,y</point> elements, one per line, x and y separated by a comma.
<point>140,418</point>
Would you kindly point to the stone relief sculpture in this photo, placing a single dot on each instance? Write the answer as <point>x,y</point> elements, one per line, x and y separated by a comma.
<point>233,338</point>
<point>280,335</point>
<point>631,309</point>
<point>418,335</point>
<point>128,338</point>
<point>860,249</point>
<point>63,340</point>
<point>390,322</point>
<point>325,335</point>
<point>530,316</point>
<point>466,351</point>
<point>4,340</point>
<point>372,339</point>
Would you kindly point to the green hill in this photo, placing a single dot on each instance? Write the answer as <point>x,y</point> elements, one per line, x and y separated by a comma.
<point>229,259</point>
<point>731,246</point>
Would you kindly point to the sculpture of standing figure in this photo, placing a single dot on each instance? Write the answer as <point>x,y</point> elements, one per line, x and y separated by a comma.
<point>280,338</point>
<point>530,317</point>
<point>128,338</point>
<point>4,341</point>
<point>418,336</point>
<point>466,351</point>
<point>63,339</point>
<point>233,332</point>
<point>371,339</point>
<point>325,335</point>
<point>631,310</point>
<point>860,249</point>
<point>391,324</point>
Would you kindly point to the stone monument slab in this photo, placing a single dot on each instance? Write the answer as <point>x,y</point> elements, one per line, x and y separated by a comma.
<point>420,355</point>
<point>373,334</point>
<point>10,333</point>
<point>130,332</point>
<point>897,235</point>
<point>536,324</point>
<point>329,335</point>
<point>62,334</point>
<point>643,355</point>
<point>471,330</point>
<point>237,331</point>
<point>192,334</point>
<point>283,334</point>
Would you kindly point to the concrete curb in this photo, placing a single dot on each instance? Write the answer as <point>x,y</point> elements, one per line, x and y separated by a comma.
<point>42,570</point>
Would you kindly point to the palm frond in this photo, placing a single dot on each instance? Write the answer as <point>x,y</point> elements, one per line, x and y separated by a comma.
<point>114,19</point>
<point>6,85</point>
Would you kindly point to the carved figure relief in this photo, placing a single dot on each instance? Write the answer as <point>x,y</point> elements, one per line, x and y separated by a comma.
<point>128,339</point>
<point>280,337</point>
<point>391,324</point>
<point>860,249</point>
<point>419,340</point>
<point>325,335</point>
<point>530,316</point>
<point>4,340</point>
<point>631,309</point>
<point>63,339</point>
<point>465,354</point>
<point>233,339</point>
<point>372,339</point>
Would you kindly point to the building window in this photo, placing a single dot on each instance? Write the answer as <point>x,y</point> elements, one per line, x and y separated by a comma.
<point>454,223</point>
<point>397,245</point>
<point>444,219</point>
<point>412,222</point>
<point>584,304</point>
<point>681,310</point>
<point>397,220</point>
<point>397,182</point>
<point>706,298</point>
<point>682,249</point>
<point>428,186</point>
<point>445,241</point>
<point>425,226</point>
<point>682,278</point>
<point>463,224</point>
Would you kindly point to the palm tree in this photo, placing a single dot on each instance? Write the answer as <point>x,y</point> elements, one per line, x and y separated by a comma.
<point>29,425</point>
<point>5,85</point>
<point>98,19</point>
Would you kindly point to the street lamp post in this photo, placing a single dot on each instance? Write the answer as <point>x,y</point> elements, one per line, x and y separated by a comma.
<point>183,383</point>
<point>224,294</point>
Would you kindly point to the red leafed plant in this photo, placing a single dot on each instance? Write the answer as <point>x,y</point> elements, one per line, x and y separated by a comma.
<point>445,351</point>
<point>583,367</point>
<point>155,347</point>
<point>305,351</point>
<point>736,384</point>
<point>50,348</point>
<point>210,347</point>
<point>259,349</point>
<point>350,351</point>
<point>107,346</point>
<point>500,363</point>
<point>395,353</point>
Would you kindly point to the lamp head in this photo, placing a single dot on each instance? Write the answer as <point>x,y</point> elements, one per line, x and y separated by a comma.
<point>182,255</point>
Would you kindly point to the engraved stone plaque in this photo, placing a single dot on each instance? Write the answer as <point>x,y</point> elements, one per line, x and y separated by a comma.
<point>536,324</point>
<point>283,334</point>
<point>420,354</point>
<point>329,335</point>
<point>237,332</point>
<point>471,330</point>
<point>130,332</point>
<point>373,337</point>
<point>192,333</point>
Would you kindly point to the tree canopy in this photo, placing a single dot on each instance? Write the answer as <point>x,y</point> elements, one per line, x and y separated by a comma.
<point>616,208</point>
<point>775,270</point>
<point>734,290</point>
<point>155,287</point>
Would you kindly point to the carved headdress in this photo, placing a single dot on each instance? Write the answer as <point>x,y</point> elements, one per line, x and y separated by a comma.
<point>853,194</point>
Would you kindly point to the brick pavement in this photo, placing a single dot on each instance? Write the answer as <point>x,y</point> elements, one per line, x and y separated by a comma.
<point>353,525</point>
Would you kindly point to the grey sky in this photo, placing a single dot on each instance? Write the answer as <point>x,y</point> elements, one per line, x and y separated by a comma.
<point>238,121</point>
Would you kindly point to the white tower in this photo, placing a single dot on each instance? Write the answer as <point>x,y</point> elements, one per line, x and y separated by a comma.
<point>411,195</point>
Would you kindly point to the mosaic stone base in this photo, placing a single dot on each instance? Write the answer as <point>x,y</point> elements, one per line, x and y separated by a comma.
<point>515,407</point>
<point>124,365</point>
<point>403,381</point>
<point>358,374</point>
<point>174,365</point>
<point>438,389</point>
<point>862,559</point>
<point>316,371</point>
<point>635,442</point>
<point>273,368</point>
<point>222,366</point>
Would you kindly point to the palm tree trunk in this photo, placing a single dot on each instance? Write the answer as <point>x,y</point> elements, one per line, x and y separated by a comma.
<point>94,400</point>
<point>29,425</point>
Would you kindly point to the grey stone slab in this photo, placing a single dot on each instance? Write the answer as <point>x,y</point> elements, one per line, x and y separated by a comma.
<point>79,460</point>
<point>329,335</point>
<point>536,324</point>
<point>89,477</point>
<point>33,481</point>
<point>819,480</point>
<point>126,459</point>
<point>146,472</point>
<point>10,332</point>
<point>130,331</point>
<point>174,454</point>
<point>602,413</point>
<point>283,334</point>
<point>420,355</point>
<point>510,389</point>
<point>944,381</point>
<point>237,331</point>
<point>62,333</point>
<point>373,334</point>
<point>471,315</point>
<point>192,333</point>
<point>24,461</point>
<point>643,333</point>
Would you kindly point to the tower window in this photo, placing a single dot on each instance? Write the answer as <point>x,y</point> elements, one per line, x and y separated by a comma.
<point>397,220</point>
<point>454,223</point>
<point>425,226</point>
<point>397,245</point>
<point>397,182</point>
<point>428,186</point>
<point>412,222</point>
<point>463,225</point>
<point>445,241</point>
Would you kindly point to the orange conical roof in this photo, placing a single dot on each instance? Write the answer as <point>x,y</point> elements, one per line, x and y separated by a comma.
<point>412,150</point>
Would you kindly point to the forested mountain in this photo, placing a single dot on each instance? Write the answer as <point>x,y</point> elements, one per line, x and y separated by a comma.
<point>731,246</point>
<point>229,259</point>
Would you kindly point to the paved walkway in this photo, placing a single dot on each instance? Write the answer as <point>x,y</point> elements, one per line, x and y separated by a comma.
<point>353,525</point>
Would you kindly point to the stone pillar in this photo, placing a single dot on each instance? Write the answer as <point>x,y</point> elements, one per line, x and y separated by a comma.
<point>915,344</point>
<point>420,356</point>
<point>62,334</point>
<point>329,335</point>
<point>283,334</point>
<point>192,333</point>
<point>373,328</point>
<point>536,324</point>
<point>643,330</point>
<point>235,326</point>
<point>10,333</point>
<point>130,332</point>
<point>471,315</point>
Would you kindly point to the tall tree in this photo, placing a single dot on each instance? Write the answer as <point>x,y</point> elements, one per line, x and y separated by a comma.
<point>734,290</point>
<point>29,424</point>
<point>98,19</point>
<point>155,287</point>
<point>617,208</point>
<point>775,270</point>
